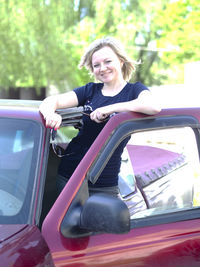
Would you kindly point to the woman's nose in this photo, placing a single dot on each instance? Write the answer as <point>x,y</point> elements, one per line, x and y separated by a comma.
<point>102,67</point>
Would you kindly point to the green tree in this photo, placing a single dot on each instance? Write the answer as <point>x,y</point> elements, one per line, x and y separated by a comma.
<point>34,50</point>
<point>130,21</point>
<point>42,41</point>
<point>178,24</point>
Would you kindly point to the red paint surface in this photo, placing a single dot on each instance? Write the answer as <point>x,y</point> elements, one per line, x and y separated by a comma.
<point>25,247</point>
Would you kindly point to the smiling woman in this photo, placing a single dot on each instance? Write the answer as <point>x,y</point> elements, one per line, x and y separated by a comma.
<point>107,60</point>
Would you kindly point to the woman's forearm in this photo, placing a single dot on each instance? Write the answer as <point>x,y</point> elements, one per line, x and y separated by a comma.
<point>48,106</point>
<point>143,104</point>
<point>51,103</point>
<point>136,106</point>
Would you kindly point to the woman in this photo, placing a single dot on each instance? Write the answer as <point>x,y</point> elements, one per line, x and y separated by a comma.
<point>107,61</point>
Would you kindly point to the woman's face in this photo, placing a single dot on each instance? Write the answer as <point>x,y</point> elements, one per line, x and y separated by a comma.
<point>107,67</point>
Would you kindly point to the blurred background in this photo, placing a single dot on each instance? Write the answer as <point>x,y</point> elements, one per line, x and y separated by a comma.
<point>42,41</point>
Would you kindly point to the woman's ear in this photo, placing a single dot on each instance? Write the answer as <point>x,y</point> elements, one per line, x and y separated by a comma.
<point>121,63</point>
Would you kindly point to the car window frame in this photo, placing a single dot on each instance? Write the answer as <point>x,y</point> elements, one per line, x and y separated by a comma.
<point>138,125</point>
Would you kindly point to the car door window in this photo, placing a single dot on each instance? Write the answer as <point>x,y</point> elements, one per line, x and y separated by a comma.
<point>163,166</point>
<point>19,142</point>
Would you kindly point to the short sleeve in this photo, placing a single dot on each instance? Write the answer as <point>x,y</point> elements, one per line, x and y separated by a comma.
<point>138,88</point>
<point>84,93</point>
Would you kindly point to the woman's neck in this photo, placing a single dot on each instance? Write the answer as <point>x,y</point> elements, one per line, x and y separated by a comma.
<point>112,89</point>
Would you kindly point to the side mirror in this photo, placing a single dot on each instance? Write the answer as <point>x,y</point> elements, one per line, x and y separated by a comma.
<point>104,213</point>
<point>99,213</point>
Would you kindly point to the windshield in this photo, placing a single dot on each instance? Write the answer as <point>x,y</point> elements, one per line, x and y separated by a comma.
<point>19,142</point>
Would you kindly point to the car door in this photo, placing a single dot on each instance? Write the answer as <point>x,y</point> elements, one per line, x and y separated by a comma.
<point>167,231</point>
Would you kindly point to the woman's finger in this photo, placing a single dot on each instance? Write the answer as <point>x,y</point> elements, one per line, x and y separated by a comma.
<point>53,121</point>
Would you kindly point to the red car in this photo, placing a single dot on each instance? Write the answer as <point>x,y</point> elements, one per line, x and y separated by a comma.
<point>156,222</point>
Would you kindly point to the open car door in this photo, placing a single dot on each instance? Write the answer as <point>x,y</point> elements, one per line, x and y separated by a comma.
<point>164,231</point>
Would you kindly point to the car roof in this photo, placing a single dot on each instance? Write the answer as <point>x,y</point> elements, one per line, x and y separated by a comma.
<point>20,103</point>
<point>73,115</point>
<point>30,109</point>
<point>23,109</point>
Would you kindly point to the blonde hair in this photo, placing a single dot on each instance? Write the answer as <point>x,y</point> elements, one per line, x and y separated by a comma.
<point>128,65</point>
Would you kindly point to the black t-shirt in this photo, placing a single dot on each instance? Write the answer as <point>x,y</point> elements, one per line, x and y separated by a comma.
<point>90,97</point>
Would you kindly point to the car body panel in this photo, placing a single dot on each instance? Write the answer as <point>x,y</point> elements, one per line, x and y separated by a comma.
<point>9,230</point>
<point>137,248</point>
<point>23,246</point>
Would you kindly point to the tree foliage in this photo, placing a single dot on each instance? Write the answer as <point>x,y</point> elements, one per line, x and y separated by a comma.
<point>178,24</point>
<point>41,41</point>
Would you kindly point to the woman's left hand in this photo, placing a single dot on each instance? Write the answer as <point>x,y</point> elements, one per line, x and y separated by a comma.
<point>99,114</point>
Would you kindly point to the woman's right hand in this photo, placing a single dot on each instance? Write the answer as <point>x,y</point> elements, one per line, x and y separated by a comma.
<point>52,103</point>
<point>53,120</point>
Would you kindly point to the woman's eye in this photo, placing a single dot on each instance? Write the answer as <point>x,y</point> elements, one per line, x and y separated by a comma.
<point>96,66</point>
<point>108,61</point>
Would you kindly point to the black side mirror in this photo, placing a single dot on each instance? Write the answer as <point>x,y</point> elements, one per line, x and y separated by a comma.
<point>104,213</point>
<point>99,213</point>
